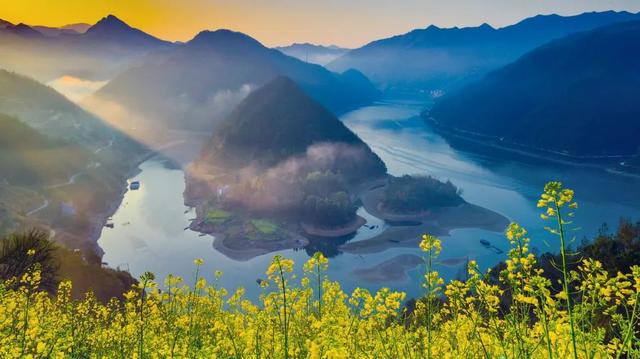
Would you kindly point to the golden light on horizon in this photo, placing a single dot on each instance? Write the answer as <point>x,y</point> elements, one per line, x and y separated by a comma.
<point>280,22</point>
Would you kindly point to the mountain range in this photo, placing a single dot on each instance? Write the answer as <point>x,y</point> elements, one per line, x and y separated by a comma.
<point>52,31</point>
<point>446,58</point>
<point>104,49</point>
<point>192,85</point>
<point>577,96</point>
<point>315,54</point>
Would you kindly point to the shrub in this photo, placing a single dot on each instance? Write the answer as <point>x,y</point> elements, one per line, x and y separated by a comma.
<point>21,252</point>
<point>334,210</point>
<point>412,194</point>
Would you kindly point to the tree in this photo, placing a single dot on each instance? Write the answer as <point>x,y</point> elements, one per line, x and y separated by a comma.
<point>22,252</point>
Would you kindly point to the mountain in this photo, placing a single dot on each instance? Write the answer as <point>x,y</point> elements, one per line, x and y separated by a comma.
<point>43,108</point>
<point>29,161</point>
<point>80,28</point>
<point>276,122</point>
<point>48,112</point>
<point>23,31</point>
<point>446,58</point>
<point>576,95</point>
<point>280,155</point>
<point>105,49</point>
<point>60,167</point>
<point>191,85</point>
<point>53,31</point>
<point>4,24</point>
<point>27,157</point>
<point>111,31</point>
<point>315,54</point>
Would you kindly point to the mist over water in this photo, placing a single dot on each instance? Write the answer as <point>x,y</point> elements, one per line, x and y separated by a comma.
<point>149,225</point>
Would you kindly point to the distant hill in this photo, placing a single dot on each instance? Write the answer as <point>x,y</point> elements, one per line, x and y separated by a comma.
<point>106,48</point>
<point>28,158</point>
<point>279,121</point>
<point>53,31</point>
<point>189,86</point>
<point>24,32</point>
<point>577,95</point>
<point>446,58</point>
<point>4,24</point>
<point>79,27</point>
<point>29,162</point>
<point>43,108</point>
<point>315,54</point>
<point>55,156</point>
<point>117,35</point>
<point>51,114</point>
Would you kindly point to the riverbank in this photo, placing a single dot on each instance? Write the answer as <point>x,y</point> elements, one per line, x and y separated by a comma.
<point>178,153</point>
<point>464,215</point>
<point>617,164</point>
<point>243,249</point>
<point>405,230</point>
<point>440,222</point>
<point>102,218</point>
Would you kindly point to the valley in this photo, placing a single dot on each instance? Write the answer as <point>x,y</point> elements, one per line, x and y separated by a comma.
<point>342,179</point>
<point>244,144</point>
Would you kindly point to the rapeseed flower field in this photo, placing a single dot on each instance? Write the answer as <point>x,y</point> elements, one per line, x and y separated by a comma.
<point>594,315</point>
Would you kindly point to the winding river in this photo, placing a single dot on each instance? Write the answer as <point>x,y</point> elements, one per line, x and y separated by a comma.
<point>149,226</point>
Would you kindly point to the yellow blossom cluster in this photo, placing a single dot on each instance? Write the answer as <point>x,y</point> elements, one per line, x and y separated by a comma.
<point>519,315</point>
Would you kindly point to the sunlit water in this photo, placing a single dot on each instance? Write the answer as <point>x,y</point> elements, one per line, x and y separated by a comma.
<point>150,224</point>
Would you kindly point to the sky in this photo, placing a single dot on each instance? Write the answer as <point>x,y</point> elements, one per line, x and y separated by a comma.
<point>348,23</point>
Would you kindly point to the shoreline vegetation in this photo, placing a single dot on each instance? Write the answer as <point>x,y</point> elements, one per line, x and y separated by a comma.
<point>518,312</point>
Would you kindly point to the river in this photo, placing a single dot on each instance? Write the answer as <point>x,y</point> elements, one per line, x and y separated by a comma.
<point>150,235</point>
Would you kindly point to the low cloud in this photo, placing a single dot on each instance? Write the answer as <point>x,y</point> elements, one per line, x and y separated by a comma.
<point>74,88</point>
<point>218,105</point>
<point>178,127</point>
<point>280,187</point>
